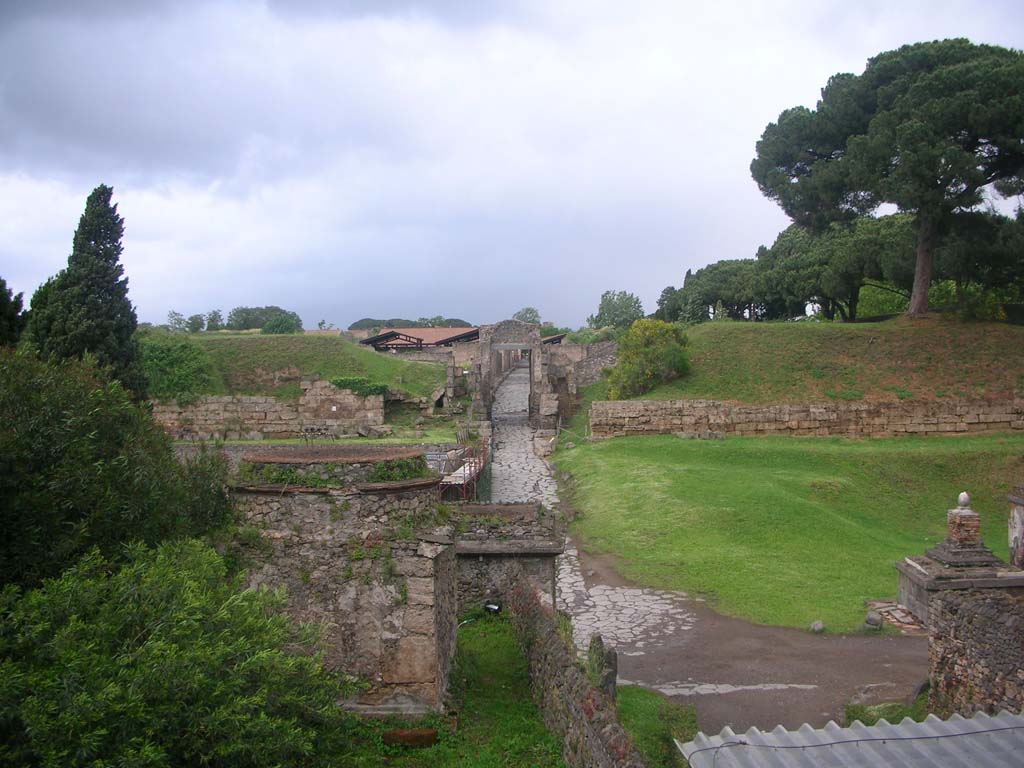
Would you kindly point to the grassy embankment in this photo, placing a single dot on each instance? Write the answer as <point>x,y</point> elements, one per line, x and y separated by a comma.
<point>930,359</point>
<point>242,362</point>
<point>783,530</point>
<point>498,724</point>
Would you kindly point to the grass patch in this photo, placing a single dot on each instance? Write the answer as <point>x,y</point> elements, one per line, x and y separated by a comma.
<point>898,359</point>
<point>246,363</point>
<point>894,711</point>
<point>654,721</point>
<point>498,722</point>
<point>783,530</point>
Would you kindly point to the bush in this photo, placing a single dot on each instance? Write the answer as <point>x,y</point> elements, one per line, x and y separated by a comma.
<point>178,368</point>
<point>278,324</point>
<point>162,662</point>
<point>360,386</point>
<point>650,352</point>
<point>82,466</point>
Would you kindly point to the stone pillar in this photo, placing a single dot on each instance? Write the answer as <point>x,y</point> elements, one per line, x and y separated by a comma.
<point>1017,527</point>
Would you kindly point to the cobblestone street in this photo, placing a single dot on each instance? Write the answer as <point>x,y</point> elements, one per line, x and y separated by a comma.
<point>517,474</point>
<point>631,619</point>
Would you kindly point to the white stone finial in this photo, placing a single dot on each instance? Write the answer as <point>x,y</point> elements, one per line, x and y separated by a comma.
<point>964,500</point>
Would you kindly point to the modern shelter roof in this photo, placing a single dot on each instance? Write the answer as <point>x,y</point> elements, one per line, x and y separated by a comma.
<point>428,337</point>
<point>977,742</point>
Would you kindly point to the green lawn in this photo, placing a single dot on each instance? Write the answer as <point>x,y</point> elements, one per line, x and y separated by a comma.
<point>783,530</point>
<point>901,359</point>
<point>498,724</point>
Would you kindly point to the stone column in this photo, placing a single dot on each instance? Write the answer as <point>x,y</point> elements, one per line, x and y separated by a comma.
<point>1017,527</point>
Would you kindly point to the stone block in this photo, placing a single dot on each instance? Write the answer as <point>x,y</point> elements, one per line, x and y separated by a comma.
<point>420,590</point>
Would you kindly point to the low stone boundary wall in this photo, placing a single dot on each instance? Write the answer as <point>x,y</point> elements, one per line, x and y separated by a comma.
<point>977,651</point>
<point>244,417</point>
<point>571,707</point>
<point>617,418</point>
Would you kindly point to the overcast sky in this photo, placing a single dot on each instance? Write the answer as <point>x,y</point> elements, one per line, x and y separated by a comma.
<point>398,158</point>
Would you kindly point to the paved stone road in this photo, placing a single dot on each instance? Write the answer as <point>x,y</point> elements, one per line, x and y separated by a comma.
<point>738,674</point>
<point>517,474</point>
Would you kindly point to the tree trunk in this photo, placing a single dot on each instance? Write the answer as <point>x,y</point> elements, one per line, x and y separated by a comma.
<point>852,304</point>
<point>927,229</point>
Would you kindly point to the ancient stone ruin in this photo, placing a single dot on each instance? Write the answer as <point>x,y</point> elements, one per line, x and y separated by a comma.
<point>973,605</point>
<point>358,538</point>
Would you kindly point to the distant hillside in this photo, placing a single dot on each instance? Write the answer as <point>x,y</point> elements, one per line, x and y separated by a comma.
<point>225,363</point>
<point>901,359</point>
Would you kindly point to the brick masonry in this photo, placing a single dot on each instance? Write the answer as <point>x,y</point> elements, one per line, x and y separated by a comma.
<point>976,651</point>
<point>572,708</point>
<point>235,417</point>
<point>658,417</point>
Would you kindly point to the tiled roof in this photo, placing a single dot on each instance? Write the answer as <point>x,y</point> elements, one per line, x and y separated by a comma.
<point>977,742</point>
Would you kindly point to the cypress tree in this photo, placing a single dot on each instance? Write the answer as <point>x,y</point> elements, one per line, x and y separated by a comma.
<point>84,309</point>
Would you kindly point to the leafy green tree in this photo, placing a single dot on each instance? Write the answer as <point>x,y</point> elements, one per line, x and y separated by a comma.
<point>670,304</point>
<point>12,319</point>
<point>650,352</point>
<point>527,315</point>
<point>163,661</point>
<point>83,466</point>
<point>617,309</point>
<point>176,322</point>
<point>214,320</point>
<point>249,318</point>
<point>930,128</point>
<point>281,324</point>
<point>195,323</point>
<point>723,289</point>
<point>85,309</point>
<point>552,330</point>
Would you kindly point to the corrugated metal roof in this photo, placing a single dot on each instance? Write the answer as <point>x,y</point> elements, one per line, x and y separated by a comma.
<point>977,742</point>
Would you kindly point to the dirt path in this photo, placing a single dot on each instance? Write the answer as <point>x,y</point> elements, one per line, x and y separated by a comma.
<point>737,673</point>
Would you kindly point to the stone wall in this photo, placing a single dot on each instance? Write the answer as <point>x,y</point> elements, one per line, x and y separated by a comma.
<point>572,708</point>
<point>658,417</point>
<point>322,405</point>
<point>976,649</point>
<point>376,569</point>
<point>604,354</point>
<point>497,544</point>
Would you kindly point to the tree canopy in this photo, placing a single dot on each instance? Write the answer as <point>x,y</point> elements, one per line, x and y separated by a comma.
<point>617,309</point>
<point>932,128</point>
<point>527,315</point>
<point>84,309</point>
<point>251,318</point>
<point>83,466</point>
<point>12,319</point>
<point>160,659</point>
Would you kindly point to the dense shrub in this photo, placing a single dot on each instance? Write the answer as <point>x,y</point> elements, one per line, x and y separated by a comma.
<point>82,466</point>
<point>399,469</point>
<point>161,662</point>
<point>279,324</point>
<point>177,366</point>
<point>360,386</point>
<point>650,352</point>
